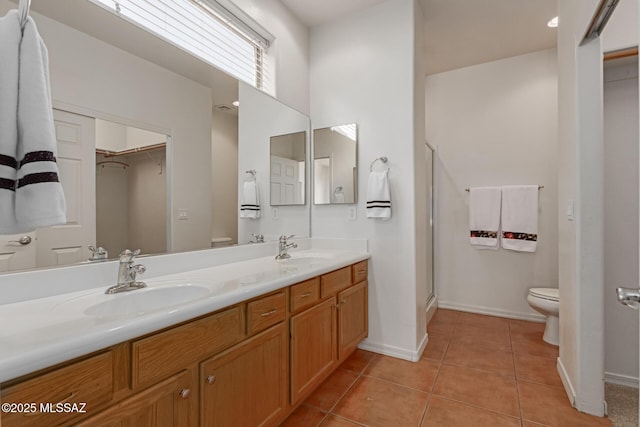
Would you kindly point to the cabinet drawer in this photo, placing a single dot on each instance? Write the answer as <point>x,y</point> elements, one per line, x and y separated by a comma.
<point>335,281</point>
<point>359,272</point>
<point>161,355</point>
<point>304,294</point>
<point>89,381</point>
<point>265,312</point>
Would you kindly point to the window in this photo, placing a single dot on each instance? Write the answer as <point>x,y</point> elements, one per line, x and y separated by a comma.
<point>215,31</point>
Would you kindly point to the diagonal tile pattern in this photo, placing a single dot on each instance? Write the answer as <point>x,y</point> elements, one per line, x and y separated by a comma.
<point>476,371</point>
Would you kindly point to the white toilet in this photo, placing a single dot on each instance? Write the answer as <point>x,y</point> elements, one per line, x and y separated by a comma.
<point>547,301</point>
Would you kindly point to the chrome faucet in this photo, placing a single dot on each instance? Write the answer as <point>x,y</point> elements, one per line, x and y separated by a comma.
<point>127,273</point>
<point>99,254</point>
<point>259,238</point>
<point>283,246</point>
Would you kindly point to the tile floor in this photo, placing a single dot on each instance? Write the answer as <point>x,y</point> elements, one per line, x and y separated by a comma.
<point>476,371</point>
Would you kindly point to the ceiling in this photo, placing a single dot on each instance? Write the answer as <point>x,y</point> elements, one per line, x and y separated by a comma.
<point>458,33</point>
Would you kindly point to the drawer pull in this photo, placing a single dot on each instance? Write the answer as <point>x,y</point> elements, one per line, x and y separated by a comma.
<point>306,294</point>
<point>185,393</point>
<point>269,313</point>
<point>211,379</point>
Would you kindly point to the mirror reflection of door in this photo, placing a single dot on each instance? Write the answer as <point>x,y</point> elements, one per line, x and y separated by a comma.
<point>131,189</point>
<point>322,180</point>
<point>287,169</point>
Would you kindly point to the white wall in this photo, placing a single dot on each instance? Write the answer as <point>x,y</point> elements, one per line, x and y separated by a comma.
<point>374,48</point>
<point>289,54</point>
<point>260,118</point>
<point>224,161</point>
<point>494,124</point>
<point>92,76</point>
<point>621,218</point>
<point>580,179</point>
<point>622,29</point>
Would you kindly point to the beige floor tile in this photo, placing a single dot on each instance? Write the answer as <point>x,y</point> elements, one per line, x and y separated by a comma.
<point>420,375</point>
<point>436,347</point>
<point>495,338</point>
<point>444,315</point>
<point>378,403</point>
<point>533,345</point>
<point>482,321</point>
<point>440,327</point>
<point>478,388</point>
<point>446,413</point>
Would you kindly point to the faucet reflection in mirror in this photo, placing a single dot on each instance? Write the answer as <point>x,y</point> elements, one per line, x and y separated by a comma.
<point>335,173</point>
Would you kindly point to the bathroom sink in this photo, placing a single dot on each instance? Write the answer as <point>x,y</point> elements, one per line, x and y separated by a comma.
<point>302,261</point>
<point>142,301</point>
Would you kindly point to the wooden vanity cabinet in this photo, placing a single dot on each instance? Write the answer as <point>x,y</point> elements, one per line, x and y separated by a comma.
<point>170,403</point>
<point>247,384</point>
<point>249,364</point>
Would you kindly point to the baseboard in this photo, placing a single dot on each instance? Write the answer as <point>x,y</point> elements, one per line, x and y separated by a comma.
<point>566,382</point>
<point>533,317</point>
<point>432,306</point>
<point>624,380</point>
<point>397,352</point>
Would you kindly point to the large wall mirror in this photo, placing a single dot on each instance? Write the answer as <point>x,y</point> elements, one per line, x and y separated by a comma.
<point>288,169</point>
<point>164,178</point>
<point>335,169</point>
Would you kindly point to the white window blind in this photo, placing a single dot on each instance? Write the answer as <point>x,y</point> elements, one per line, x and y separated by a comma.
<point>205,29</point>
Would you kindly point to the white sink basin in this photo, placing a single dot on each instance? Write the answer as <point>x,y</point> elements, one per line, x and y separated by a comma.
<point>302,261</point>
<point>142,301</point>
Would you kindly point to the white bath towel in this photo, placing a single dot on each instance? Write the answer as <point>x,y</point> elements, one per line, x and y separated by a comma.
<point>10,36</point>
<point>484,217</point>
<point>250,204</point>
<point>379,195</point>
<point>39,195</point>
<point>520,217</point>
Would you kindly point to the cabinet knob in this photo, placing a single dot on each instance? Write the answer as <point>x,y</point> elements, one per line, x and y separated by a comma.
<point>185,393</point>
<point>211,379</point>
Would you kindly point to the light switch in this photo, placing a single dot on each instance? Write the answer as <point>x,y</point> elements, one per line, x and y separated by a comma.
<point>351,213</point>
<point>275,214</point>
<point>570,210</point>
<point>183,214</point>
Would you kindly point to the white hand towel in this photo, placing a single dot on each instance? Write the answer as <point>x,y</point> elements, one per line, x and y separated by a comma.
<point>9,68</point>
<point>250,205</point>
<point>40,198</point>
<point>484,217</point>
<point>520,217</point>
<point>379,195</point>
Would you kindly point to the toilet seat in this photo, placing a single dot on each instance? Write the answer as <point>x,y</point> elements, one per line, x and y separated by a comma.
<point>550,294</point>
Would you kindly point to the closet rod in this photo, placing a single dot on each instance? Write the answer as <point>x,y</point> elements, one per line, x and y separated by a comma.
<point>622,53</point>
<point>108,153</point>
<point>540,187</point>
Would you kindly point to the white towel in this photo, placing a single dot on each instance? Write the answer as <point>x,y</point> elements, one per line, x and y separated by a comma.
<point>379,196</point>
<point>520,217</point>
<point>250,204</point>
<point>484,217</point>
<point>9,51</point>
<point>39,196</point>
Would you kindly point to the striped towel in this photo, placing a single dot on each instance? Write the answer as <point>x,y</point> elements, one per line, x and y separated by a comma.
<point>379,196</point>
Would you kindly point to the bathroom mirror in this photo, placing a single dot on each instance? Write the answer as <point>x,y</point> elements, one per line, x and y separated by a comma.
<point>335,175</point>
<point>104,68</point>
<point>287,171</point>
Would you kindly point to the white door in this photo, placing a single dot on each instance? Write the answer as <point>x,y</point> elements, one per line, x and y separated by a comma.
<point>68,243</point>
<point>285,186</point>
<point>17,251</point>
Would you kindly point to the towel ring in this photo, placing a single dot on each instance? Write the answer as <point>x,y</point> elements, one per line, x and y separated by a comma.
<point>252,172</point>
<point>383,159</point>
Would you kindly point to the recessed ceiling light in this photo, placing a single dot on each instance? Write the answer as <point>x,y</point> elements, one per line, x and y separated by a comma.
<point>553,23</point>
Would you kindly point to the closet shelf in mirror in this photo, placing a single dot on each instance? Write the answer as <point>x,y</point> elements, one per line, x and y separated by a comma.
<point>108,153</point>
<point>107,162</point>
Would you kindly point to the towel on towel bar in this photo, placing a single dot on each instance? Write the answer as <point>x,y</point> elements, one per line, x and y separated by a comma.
<point>520,217</point>
<point>379,196</point>
<point>40,200</point>
<point>250,205</point>
<point>484,217</point>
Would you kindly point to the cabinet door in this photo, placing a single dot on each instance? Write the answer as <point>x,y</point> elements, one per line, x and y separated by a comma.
<point>313,348</point>
<point>166,404</point>
<point>353,320</point>
<point>247,384</point>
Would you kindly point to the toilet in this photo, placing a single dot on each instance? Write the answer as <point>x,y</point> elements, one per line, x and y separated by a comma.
<point>547,301</point>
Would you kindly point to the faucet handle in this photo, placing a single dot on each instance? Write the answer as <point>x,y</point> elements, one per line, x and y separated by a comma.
<point>128,255</point>
<point>284,237</point>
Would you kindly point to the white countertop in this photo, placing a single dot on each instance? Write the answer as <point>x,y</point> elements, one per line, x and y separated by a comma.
<point>43,332</point>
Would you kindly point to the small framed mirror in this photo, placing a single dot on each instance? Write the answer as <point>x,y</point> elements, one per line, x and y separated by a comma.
<point>288,169</point>
<point>335,169</point>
